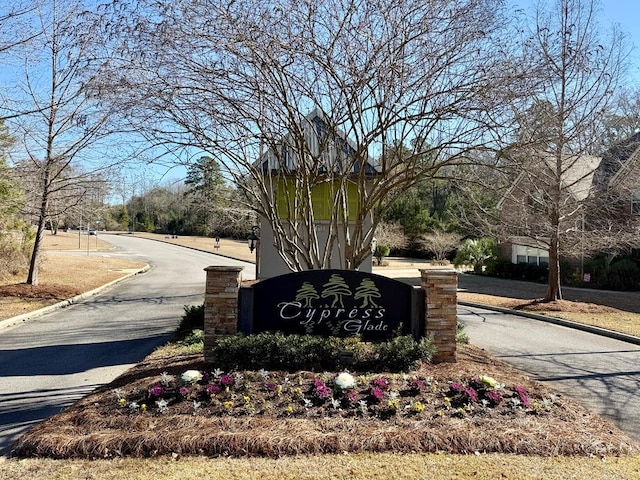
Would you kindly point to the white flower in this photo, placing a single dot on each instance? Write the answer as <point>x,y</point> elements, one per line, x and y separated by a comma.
<point>134,406</point>
<point>363,406</point>
<point>335,403</point>
<point>393,395</point>
<point>345,381</point>
<point>218,373</point>
<point>308,403</point>
<point>166,379</point>
<point>263,373</point>
<point>162,405</point>
<point>196,405</point>
<point>191,376</point>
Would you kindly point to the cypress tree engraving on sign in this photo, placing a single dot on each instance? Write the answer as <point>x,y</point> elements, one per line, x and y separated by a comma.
<point>367,290</point>
<point>336,288</point>
<point>306,294</point>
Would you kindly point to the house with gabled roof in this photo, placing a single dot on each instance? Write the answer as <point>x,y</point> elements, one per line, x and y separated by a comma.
<point>325,165</point>
<point>600,201</point>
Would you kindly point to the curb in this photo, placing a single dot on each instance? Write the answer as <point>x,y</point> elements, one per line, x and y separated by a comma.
<point>65,303</point>
<point>560,321</point>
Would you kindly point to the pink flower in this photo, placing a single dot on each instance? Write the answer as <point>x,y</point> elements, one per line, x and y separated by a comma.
<point>226,380</point>
<point>377,393</point>
<point>213,389</point>
<point>381,383</point>
<point>322,391</point>
<point>522,394</point>
<point>156,390</point>
<point>472,394</point>
<point>184,391</point>
<point>456,387</point>
<point>352,396</point>
<point>494,397</point>
<point>418,384</point>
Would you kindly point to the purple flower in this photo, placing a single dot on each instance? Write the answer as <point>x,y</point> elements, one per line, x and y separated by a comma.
<point>377,393</point>
<point>213,389</point>
<point>270,387</point>
<point>226,380</point>
<point>184,391</point>
<point>323,392</point>
<point>156,390</point>
<point>418,384</point>
<point>472,394</point>
<point>455,386</point>
<point>522,394</point>
<point>352,396</point>
<point>494,397</point>
<point>318,383</point>
<point>381,383</point>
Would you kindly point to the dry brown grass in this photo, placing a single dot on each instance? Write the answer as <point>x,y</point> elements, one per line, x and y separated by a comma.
<point>592,314</point>
<point>365,466</point>
<point>65,271</point>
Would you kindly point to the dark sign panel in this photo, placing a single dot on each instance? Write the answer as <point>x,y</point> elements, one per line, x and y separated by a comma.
<point>332,302</point>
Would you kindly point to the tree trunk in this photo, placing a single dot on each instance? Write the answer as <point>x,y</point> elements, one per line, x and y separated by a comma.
<point>554,292</point>
<point>32,277</point>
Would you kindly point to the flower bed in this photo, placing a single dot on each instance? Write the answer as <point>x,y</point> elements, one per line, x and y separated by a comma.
<point>308,394</point>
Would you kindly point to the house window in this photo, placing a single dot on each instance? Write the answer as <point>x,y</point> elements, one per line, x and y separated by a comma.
<point>530,255</point>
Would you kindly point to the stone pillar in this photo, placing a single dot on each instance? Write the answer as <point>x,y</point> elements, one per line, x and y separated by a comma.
<point>220,304</point>
<point>441,301</point>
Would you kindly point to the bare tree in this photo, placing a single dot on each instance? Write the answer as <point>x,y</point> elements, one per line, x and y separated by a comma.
<point>238,81</point>
<point>13,12</point>
<point>577,74</point>
<point>56,118</point>
<point>440,243</point>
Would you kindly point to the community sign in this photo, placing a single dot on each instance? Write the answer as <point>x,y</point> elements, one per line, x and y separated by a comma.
<point>330,302</point>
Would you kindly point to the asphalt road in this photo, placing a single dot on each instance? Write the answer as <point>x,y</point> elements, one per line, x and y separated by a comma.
<point>49,362</point>
<point>599,373</point>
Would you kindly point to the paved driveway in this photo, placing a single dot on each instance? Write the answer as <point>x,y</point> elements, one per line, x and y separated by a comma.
<point>600,373</point>
<point>49,362</point>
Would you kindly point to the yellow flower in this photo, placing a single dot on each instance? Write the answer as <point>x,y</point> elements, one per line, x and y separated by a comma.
<point>289,409</point>
<point>447,402</point>
<point>246,399</point>
<point>123,401</point>
<point>227,406</point>
<point>279,390</point>
<point>418,407</point>
<point>143,407</point>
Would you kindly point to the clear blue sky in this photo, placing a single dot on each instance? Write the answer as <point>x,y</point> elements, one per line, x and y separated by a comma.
<point>624,13</point>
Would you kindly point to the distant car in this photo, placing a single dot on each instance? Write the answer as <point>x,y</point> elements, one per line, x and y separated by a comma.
<point>92,232</point>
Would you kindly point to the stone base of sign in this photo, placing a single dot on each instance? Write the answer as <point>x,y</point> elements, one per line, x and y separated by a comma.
<point>220,304</point>
<point>441,299</point>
